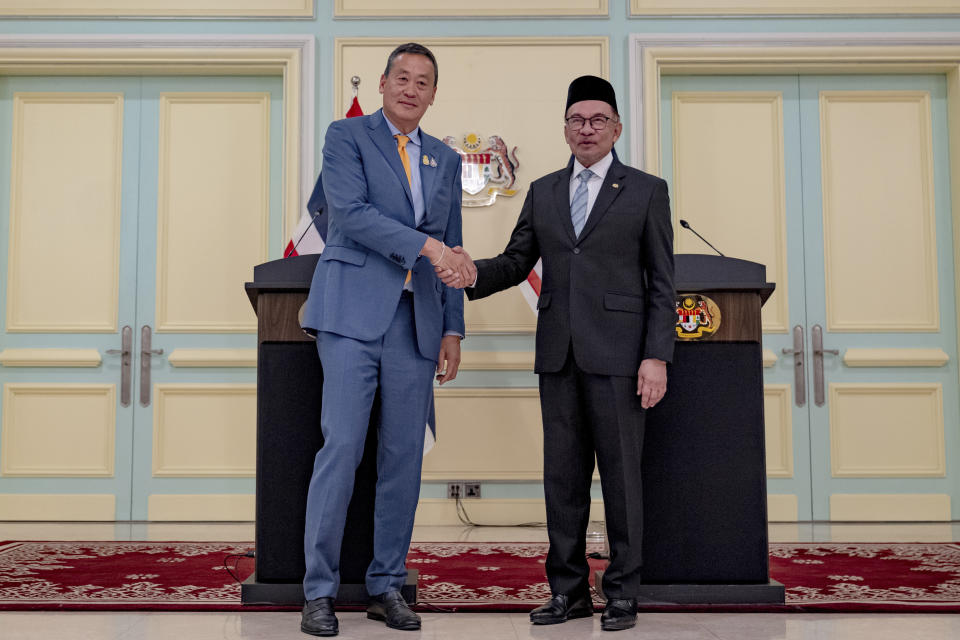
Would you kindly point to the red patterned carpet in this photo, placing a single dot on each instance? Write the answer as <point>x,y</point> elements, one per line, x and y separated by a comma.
<point>182,576</point>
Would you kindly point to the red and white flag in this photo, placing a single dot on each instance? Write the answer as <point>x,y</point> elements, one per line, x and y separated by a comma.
<point>354,109</point>
<point>307,237</point>
<point>530,288</point>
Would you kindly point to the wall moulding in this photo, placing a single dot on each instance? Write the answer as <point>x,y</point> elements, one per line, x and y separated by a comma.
<point>50,358</point>
<point>212,358</point>
<point>791,7</point>
<point>158,8</point>
<point>893,357</point>
<point>290,56</point>
<point>467,8</point>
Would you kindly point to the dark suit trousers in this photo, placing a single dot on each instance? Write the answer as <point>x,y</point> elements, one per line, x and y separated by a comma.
<point>585,414</point>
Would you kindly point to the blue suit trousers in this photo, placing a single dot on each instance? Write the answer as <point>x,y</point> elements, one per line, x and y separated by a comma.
<point>352,372</point>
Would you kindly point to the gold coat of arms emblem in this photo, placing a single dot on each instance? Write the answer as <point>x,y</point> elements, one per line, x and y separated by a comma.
<point>698,317</point>
<point>488,170</point>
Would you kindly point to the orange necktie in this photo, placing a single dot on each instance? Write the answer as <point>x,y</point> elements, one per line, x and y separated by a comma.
<point>405,160</point>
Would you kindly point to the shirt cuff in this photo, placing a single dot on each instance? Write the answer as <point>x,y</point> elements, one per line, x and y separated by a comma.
<point>452,333</point>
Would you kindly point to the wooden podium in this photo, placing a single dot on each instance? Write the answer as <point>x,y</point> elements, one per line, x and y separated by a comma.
<point>704,463</point>
<point>289,384</point>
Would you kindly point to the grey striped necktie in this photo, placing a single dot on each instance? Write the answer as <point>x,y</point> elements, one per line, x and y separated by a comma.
<point>578,206</point>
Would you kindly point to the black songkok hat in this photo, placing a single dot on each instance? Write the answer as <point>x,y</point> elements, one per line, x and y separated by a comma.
<point>591,88</point>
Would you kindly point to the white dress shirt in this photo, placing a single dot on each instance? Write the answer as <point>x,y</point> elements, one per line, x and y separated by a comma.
<point>599,170</point>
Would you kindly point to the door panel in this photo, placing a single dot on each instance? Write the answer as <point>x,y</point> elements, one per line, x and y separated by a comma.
<point>879,263</point>
<point>68,147</point>
<point>868,260</point>
<point>210,210</point>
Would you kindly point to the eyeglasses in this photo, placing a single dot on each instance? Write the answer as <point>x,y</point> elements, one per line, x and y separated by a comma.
<point>597,123</point>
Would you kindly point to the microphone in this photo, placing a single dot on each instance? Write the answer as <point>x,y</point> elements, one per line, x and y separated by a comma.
<point>686,225</point>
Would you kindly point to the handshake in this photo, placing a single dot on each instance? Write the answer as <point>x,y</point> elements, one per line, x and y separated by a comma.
<point>454,266</point>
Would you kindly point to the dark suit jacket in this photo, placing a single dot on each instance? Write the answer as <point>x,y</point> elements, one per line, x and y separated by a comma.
<point>609,292</point>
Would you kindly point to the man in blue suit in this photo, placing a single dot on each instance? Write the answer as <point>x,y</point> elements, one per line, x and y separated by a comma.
<point>383,321</point>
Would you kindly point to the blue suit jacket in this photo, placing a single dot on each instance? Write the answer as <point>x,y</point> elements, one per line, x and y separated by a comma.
<point>372,240</point>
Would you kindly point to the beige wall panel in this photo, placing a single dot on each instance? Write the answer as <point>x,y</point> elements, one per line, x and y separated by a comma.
<point>58,430</point>
<point>779,430</point>
<point>210,508</point>
<point>439,512</point>
<point>214,175</point>
<point>782,508</point>
<point>62,507</point>
<point>788,7</point>
<point>902,507</point>
<point>73,141</point>
<point>495,361</point>
<point>50,358</point>
<point>486,434</point>
<point>878,211</point>
<point>203,430</point>
<point>784,531</point>
<point>906,532</point>
<point>225,8</point>
<point>469,8</point>
<point>729,182</point>
<point>886,430</point>
<point>481,83</point>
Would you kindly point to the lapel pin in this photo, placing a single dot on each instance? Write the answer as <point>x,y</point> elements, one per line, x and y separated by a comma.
<point>615,185</point>
<point>433,162</point>
<point>425,161</point>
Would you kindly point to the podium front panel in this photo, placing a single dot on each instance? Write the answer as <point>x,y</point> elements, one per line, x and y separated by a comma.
<point>704,479</point>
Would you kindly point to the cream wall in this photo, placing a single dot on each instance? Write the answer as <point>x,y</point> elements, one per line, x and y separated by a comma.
<point>503,63</point>
<point>485,434</point>
<point>476,94</point>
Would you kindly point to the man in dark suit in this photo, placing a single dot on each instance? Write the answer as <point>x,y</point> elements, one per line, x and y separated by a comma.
<point>604,336</point>
<point>384,322</point>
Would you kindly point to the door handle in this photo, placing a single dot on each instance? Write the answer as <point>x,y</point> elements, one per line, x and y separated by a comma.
<point>126,363</point>
<point>146,351</point>
<point>816,336</point>
<point>799,367</point>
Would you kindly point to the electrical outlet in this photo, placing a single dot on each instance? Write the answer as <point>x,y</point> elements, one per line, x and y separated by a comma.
<point>463,490</point>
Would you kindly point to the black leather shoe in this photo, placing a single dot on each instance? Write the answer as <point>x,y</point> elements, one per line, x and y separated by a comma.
<point>561,608</point>
<point>391,608</point>
<point>318,618</point>
<point>619,615</point>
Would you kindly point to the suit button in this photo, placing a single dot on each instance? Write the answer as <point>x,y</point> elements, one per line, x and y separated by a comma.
<point>576,251</point>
